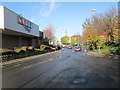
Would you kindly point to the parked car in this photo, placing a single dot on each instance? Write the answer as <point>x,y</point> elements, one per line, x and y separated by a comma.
<point>70,47</point>
<point>62,49</point>
<point>66,46</point>
<point>78,49</point>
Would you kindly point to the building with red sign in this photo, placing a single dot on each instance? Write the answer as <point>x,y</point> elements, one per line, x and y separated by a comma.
<point>17,31</point>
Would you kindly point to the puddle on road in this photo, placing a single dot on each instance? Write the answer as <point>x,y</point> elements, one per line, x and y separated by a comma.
<point>79,81</point>
<point>69,77</point>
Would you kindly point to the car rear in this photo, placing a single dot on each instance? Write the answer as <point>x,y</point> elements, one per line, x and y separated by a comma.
<point>78,49</point>
<point>70,47</point>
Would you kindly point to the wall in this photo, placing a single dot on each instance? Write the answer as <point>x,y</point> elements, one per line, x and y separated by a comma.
<point>10,20</point>
<point>1,17</point>
<point>9,41</point>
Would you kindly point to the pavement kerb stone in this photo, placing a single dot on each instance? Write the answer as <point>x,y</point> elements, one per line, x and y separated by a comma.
<point>27,58</point>
<point>102,55</point>
<point>95,54</point>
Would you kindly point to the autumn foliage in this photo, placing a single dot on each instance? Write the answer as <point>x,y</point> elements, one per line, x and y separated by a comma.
<point>107,24</point>
<point>89,34</point>
<point>49,32</point>
<point>116,28</point>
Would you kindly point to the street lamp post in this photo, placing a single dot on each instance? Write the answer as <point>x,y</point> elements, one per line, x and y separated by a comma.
<point>93,9</point>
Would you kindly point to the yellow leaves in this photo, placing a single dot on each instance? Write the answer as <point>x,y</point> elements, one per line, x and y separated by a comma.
<point>100,41</point>
<point>116,35</point>
<point>89,35</point>
<point>116,28</point>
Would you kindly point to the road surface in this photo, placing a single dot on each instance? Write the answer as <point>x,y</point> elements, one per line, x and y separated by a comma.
<point>65,69</point>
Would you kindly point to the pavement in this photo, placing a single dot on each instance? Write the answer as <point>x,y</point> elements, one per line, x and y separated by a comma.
<point>27,58</point>
<point>95,54</point>
<point>63,69</point>
<point>102,55</point>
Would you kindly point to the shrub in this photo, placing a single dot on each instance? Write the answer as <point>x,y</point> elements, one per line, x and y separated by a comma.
<point>5,50</point>
<point>30,48</point>
<point>17,50</point>
<point>115,50</point>
<point>24,48</point>
<point>42,47</point>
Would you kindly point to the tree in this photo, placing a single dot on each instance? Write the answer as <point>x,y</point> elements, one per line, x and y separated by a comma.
<point>49,32</point>
<point>89,34</point>
<point>100,42</point>
<point>103,23</point>
<point>65,40</point>
<point>86,24</point>
<point>116,28</point>
<point>76,39</point>
<point>98,24</point>
<point>72,40</point>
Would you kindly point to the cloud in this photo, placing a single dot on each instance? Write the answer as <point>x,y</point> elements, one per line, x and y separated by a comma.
<point>48,8</point>
<point>44,9</point>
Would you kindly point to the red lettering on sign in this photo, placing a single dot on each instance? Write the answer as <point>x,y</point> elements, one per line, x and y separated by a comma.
<point>24,22</point>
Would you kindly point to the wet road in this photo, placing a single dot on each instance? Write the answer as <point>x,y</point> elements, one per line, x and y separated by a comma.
<point>65,69</point>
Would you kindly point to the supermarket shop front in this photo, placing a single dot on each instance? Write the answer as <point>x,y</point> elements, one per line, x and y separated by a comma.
<point>17,31</point>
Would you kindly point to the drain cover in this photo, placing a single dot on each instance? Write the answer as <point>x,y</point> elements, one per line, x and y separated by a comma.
<point>79,81</point>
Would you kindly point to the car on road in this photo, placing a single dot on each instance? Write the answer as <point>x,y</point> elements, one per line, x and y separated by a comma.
<point>78,49</point>
<point>66,46</point>
<point>70,47</point>
<point>62,49</point>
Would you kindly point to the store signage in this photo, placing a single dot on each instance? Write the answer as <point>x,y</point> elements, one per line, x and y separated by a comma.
<point>102,36</point>
<point>24,22</point>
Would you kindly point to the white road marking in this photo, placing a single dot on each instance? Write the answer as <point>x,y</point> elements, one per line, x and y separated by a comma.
<point>37,63</point>
<point>1,66</point>
<point>41,62</point>
<point>17,65</point>
<point>50,59</point>
<point>27,67</point>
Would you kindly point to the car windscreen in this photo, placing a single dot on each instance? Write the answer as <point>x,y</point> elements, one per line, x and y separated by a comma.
<point>77,47</point>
